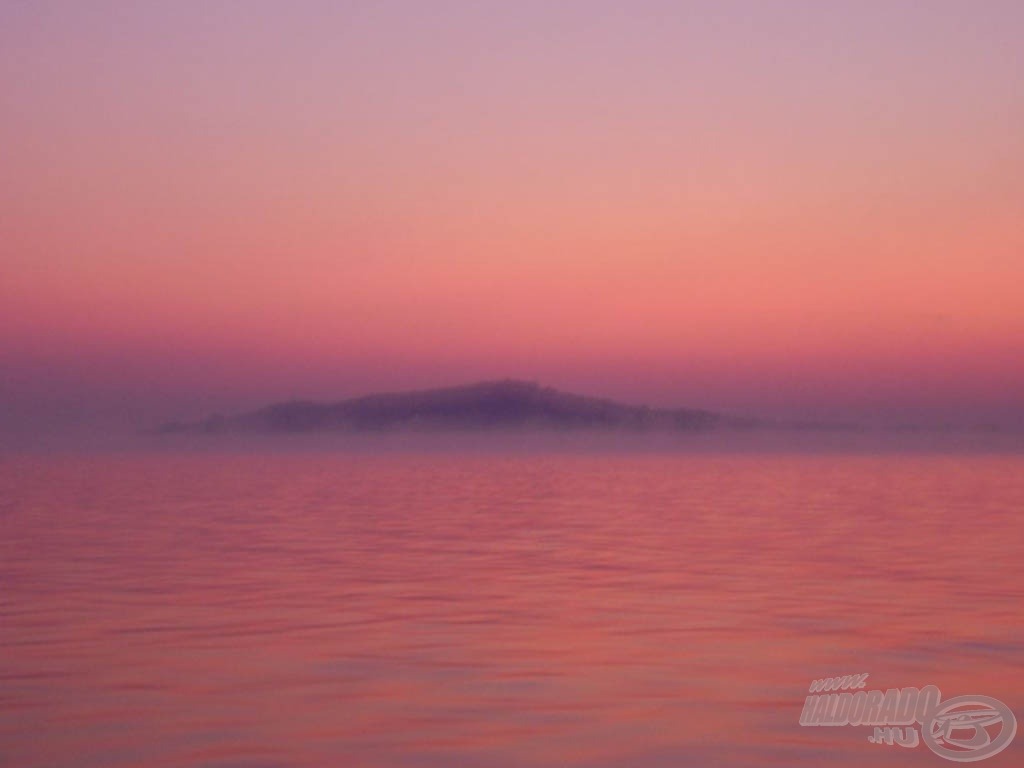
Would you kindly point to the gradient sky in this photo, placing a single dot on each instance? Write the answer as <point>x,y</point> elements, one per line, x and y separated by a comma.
<point>765,207</point>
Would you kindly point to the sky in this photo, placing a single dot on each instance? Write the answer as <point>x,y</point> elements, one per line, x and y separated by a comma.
<point>777,208</point>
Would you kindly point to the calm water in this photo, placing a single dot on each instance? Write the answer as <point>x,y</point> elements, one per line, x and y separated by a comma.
<point>398,610</point>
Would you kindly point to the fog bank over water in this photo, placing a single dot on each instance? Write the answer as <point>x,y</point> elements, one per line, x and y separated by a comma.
<point>525,442</point>
<point>500,415</point>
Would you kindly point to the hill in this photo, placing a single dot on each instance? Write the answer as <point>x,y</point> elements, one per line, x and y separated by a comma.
<point>507,404</point>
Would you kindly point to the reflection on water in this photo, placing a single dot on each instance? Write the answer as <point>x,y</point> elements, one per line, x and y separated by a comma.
<point>337,610</point>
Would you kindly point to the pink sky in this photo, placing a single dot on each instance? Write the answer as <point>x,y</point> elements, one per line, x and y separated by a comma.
<point>770,207</point>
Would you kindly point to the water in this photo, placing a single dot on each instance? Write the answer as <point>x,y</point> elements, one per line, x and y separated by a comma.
<point>332,609</point>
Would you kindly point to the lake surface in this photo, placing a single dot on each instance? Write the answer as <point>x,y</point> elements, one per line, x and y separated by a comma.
<point>637,611</point>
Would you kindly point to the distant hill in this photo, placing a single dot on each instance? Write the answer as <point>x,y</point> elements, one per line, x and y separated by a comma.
<point>507,404</point>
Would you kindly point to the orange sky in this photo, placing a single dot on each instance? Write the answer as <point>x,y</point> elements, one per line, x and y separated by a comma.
<point>764,207</point>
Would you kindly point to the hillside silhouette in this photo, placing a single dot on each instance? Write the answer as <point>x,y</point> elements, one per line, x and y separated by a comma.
<point>486,405</point>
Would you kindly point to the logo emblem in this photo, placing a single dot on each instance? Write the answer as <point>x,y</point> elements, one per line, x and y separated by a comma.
<point>969,728</point>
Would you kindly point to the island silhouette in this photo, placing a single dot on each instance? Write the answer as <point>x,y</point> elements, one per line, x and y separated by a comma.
<point>487,405</point>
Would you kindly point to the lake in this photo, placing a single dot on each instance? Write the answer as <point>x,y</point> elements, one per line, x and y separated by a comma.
<point>632,610</point>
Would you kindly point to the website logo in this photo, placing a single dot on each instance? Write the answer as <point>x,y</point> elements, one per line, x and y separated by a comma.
<point>963,729</point>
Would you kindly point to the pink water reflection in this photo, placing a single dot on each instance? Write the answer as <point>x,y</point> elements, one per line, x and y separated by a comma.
<point>266,610</point>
